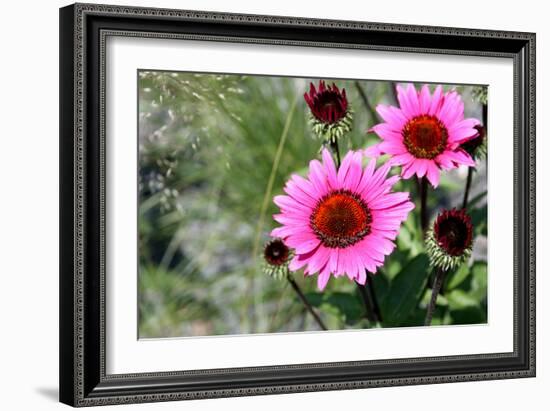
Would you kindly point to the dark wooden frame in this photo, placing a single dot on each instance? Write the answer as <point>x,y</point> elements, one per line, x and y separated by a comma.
<point>83,30</point>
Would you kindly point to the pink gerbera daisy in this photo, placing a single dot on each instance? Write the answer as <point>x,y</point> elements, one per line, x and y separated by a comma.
<point>424,135</point>
<point>341,221</point>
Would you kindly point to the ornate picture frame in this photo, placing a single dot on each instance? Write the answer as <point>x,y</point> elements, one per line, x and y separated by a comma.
<point>84,30</point>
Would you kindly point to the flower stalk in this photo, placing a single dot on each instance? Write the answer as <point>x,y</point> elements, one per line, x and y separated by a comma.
<point>468,186</point>
<point>438,282</point>
<point>477,148</point>
<point>276,258</point>
<point>306,303</point>
<point>448,245</point>
<point>423,185</point>
<point>372,310</point>
<point>336,152</point>
<point>366,101</point>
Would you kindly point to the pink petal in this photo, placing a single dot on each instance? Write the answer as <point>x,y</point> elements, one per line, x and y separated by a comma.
<point>400,159</point>
<point>303,243</point>
<point>455,113</point>
<point>421,167</point>
<point>367,176</point>
<point>388,132</point>
<point>444,162</point>
<point>460,157</point>
<point>412,95</point>
<point>408,170</point>
<point>290,219</point>
<point>344,167</point>
<point>425,99</point>
<point>378,178</point>
<point>362,277</point>
<point>288,203</point>
<point>317,177</point>
<point>283,232</point>
<point>463,130</point>
<point>382,245</point>
<point>408,100</point>
<point>404,102</point>
<point>437,101</point>
<point>433,175</point>
<point>319,259</point>
<point>381,190</point>
<point>333,260</point>
<point>367,262</point>
<point>390,147</point>
<point>278,232</point>
<point>354,173</point>
<point>322,278</point>
<point>449,108</point>
<point>296,191</point>
<point>373,151</point>
<point>297,262</point>
<point>388,200</point>
<point>343,261</point>
<point>366,248</point>
<point>352,267</point>
<point>330,168</point>
<point>392,116</point>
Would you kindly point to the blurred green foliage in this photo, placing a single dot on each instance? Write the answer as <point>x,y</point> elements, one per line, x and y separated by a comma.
<point>207,145</point>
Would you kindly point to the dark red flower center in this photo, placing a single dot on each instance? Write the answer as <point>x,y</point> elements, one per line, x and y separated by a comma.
<point>472,145</point>
<point>454,231</point>
<point>327,104</point>
<point>340,219</point>
<point>425,136</point>
<point>276,252</point>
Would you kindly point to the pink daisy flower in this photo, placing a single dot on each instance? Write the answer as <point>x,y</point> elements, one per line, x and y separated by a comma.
<point>424,135</point>
<point>341,221</point>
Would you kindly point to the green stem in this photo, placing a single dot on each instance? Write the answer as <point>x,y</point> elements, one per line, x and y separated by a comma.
<point>306,303</point>
<point>263,210</point>
<point>471,169</point>
<point>376,306</point>
<point>369,300</point>
<point>367,293</point>
<point>424,205</point>
<point>439,277</point>
<point>271,180</point>
<point>468,186</point>
<point>393,91</point>
<point>366,101</point>
<point>336,152</point>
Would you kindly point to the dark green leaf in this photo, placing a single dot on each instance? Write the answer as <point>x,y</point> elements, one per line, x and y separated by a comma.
<point>468,315</point>
<point>458,299</point>
<point>347,304</point>
<point>476,199</point>
<point>479,280</point>
<point>455,278</point>
<point>405,291</point>
<point>479,220</point>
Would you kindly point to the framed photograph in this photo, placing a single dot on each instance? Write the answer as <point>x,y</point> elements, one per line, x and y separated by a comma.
<point>260,204</point>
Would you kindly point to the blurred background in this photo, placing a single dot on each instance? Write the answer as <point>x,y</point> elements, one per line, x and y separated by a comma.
<point>207,145</point>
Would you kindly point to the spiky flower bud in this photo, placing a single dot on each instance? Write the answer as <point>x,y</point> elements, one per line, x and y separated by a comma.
<point>449,243</point>
<point>331,116</point>
<point>276,258</point>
